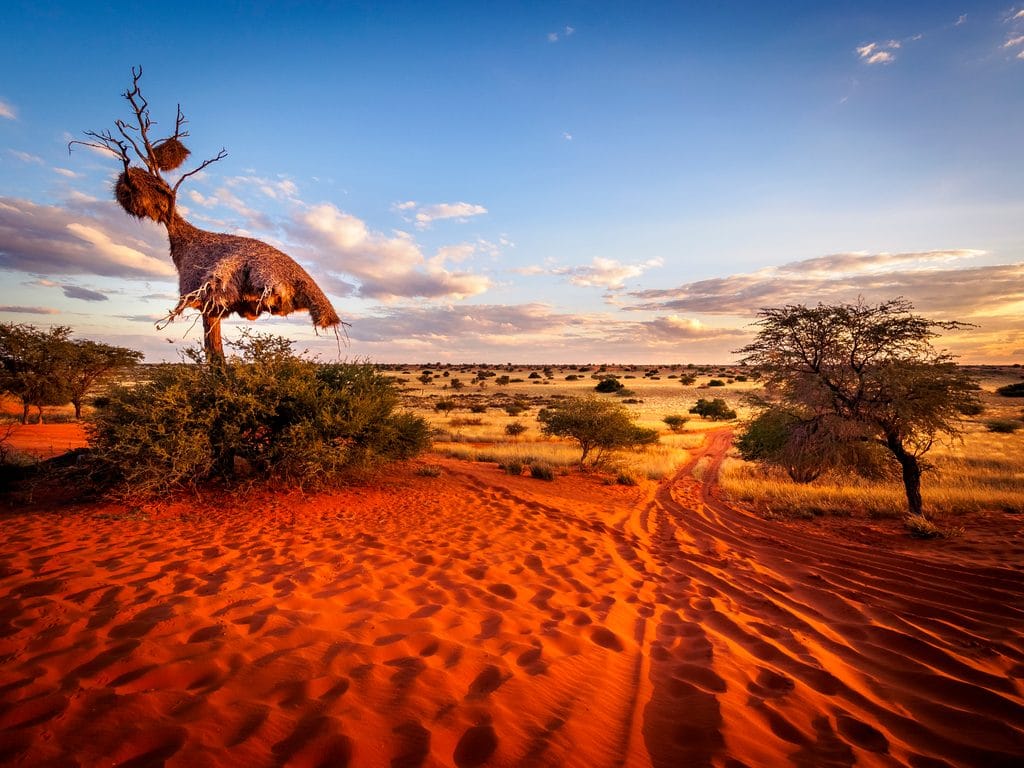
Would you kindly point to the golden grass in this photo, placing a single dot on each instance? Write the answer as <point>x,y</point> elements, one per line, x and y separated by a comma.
<point>984,473</point>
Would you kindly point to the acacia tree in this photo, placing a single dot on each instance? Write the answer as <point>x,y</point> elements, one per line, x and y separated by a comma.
<point>34,366</point>
<point>90,363</point>
<point>599,426</point>
<point>870,368</point>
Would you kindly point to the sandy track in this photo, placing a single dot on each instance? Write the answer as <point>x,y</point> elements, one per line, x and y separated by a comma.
<point>479,619</point>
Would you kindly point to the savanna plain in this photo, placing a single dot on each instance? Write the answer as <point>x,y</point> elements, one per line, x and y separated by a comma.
<point>491,603</point>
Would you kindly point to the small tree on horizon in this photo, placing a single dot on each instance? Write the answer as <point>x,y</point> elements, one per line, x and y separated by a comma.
<point>35,366</point>
<point>871,368</point>
<point>599,426</point>
<point>90,363</point>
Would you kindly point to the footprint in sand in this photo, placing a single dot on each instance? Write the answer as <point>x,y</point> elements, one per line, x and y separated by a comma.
<point>475,747</point>
<point>487,681</point>
<point>606,639</point>
<point>503,590</point>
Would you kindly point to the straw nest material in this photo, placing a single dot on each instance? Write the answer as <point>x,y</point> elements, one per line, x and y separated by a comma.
<point>170,154</point>
<point>144,196</point>
<point>223,274</point>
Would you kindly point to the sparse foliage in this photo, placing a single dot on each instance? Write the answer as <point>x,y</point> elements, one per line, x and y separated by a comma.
<point>90,363</point>
<point>871,368</point>
<point>715,410</point>
<point>281,417</point>
<point>599,426</point>
<point>1012,390</point>
<point>675,421</point>
<point>35,366</point>
<point>609,384</point>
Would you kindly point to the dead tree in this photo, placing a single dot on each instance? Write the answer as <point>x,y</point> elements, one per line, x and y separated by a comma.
<point>218,274</point>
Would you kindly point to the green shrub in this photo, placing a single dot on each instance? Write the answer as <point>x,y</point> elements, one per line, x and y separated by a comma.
<point>515,429</point>
<point>971,409</point>
<point>1003,426</point>
<point>626,477</point>
<point>716,410</point>
<point>716,383</point>
<point>478,408</point>
<point>541,470</point>
<point>284,418</point>
<point>445,405</point>
<point>1012,390</point>
<point>599,426</point>
<point>675,421</point>
<point>609,384</point>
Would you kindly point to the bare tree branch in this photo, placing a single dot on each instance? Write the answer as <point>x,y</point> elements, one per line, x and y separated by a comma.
<point>220,156</point>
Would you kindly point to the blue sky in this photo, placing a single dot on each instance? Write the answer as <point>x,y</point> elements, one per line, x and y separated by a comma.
<point>532,181</point>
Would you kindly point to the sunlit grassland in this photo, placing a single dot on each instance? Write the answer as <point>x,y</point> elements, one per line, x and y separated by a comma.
<point>982,472</point>
<point>480,436</point>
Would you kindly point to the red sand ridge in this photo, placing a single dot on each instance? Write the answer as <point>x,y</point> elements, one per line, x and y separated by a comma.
<point>479,619</point>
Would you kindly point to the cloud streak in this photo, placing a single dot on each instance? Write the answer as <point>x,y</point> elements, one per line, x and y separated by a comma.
<point>87,237</point>
<point>921,277</point>
<point>7,111</point>
<point>879,52</point>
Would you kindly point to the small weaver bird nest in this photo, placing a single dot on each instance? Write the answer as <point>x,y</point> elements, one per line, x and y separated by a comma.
<point>170,154</point>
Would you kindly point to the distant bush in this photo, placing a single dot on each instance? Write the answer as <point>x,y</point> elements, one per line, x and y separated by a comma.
<point>466,422</point>
<point>687,379</point>
<point>1003,426</point>
<point>513,467</point>
<point>514,409</point>
<point>971,409</point>
<point>445,405</point>
<point>478,408</point>
<point>515,429</point>
<point>626,477</point>
<point>572,377</point>
<point>609,384</point>
<point>716,410</point>
<point>1012,390</point>
<point>716,383</point>
<point>281,417</point>
<point>675,421</point>
<point>599,426</point>
<point>541,470</point>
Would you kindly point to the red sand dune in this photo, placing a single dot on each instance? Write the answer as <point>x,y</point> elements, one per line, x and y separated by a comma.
<point>479,619</point>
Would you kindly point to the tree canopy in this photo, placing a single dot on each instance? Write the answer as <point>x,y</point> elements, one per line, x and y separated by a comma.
<point>47,367</point>
<point>868,369</point>
<point>599,426</point>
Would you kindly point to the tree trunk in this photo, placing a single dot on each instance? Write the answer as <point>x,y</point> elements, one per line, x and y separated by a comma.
<point>24,413</point>
<point>911,473</point>
<point>212,342</point>
<point>39,408</point>
<point>78,408</point>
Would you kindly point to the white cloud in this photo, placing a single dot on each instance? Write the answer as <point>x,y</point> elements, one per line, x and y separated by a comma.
<point>126,257</point>
<point>66,172</point>
<point>605,273</point>
<point>428,214</point>
<point>567,31</point>
<point>1014,41</point>
<point>962,19</point>
<point>29,310</point>
<point>7,111</point>
<point>26,157</point>
<point>923,277</point>
<point>566,135</point>
<point>84,237</point>
<point>385,267</point>
<point>878,53</point>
